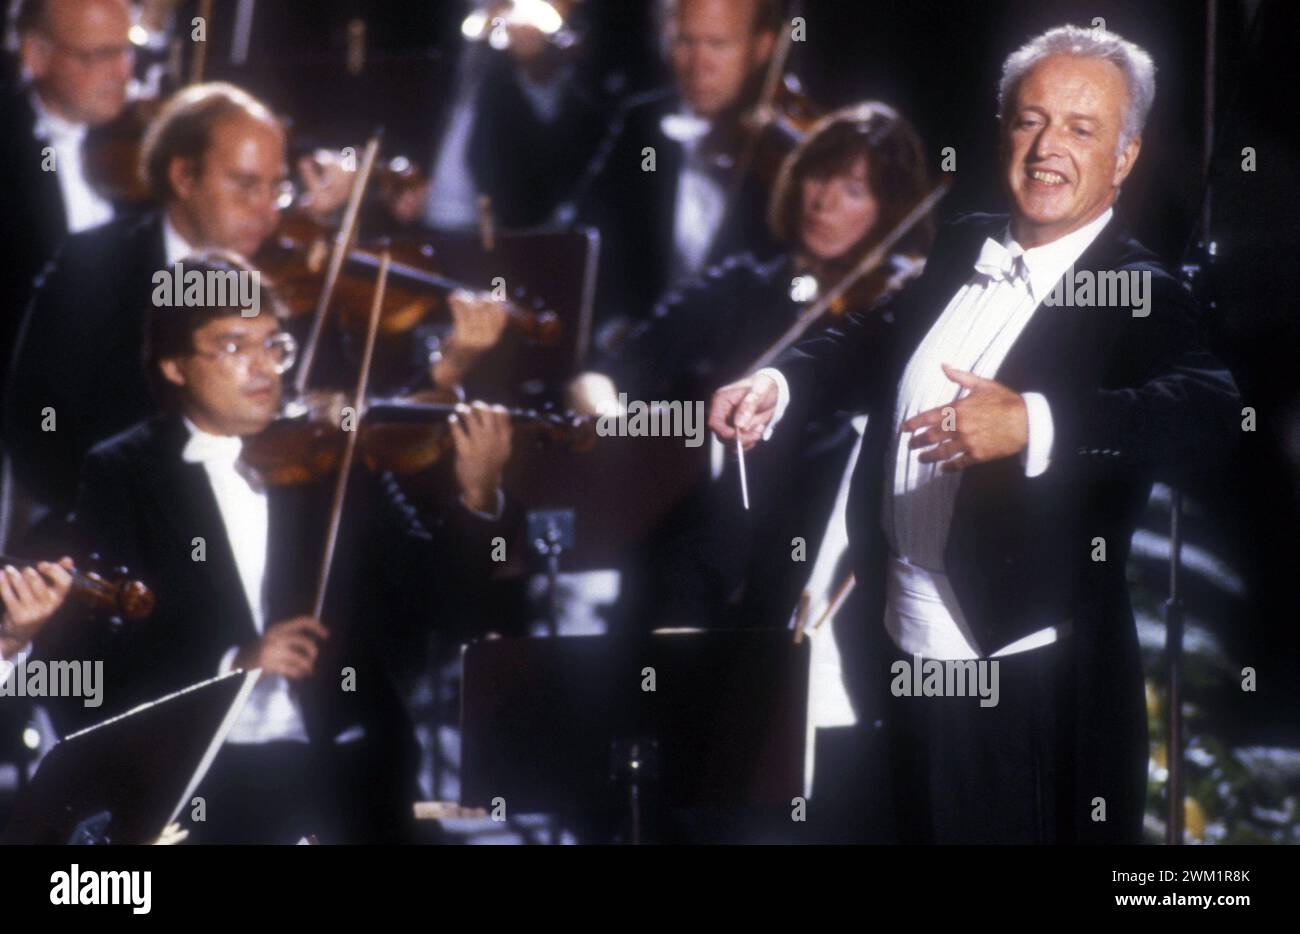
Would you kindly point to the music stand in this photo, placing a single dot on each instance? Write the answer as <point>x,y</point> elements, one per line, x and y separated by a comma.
<point>126,779</point>
<point>563,725</point>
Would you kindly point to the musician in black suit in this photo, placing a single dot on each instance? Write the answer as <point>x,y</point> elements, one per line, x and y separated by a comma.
<point>215,160</point>
<point>76,59</point>
<point>323,745</point>
<point>1011,442</point>
<point>661,227</point>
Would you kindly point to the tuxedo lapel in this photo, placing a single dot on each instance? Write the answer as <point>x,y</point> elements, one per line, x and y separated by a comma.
<point>184,499</point>
<point>669,158</point>
<point>1057,340</point>
<point>50,216</point>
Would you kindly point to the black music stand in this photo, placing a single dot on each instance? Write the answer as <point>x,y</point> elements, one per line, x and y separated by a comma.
<point>563,725</point>
<point>126,779</point>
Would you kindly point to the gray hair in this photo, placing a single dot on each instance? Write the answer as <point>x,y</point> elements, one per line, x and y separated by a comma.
<point>1132,61</point>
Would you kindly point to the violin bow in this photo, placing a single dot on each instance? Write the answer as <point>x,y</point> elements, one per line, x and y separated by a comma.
<point>350,444</point>
<point>762,110</point>
<point>865,267</point>
<point>347,230</point>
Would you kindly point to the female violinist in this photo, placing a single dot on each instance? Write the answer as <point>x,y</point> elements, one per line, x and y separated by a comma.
<point>853,178</point>
<point>840,194</point>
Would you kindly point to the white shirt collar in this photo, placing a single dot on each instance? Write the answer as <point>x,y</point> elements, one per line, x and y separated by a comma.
<point>204,447</point>
<point>175,246</point>
<point>1047,263</point>
<point>685,127</point>
<point>50,126</point>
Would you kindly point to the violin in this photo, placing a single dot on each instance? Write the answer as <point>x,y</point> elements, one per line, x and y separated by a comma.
<point>110,153</point>
<point>117,594</point>
<point>864,290</point>
<point>405,435</point>
<point>840,293</point>
<point>296,256</point>
<point>754,140</point>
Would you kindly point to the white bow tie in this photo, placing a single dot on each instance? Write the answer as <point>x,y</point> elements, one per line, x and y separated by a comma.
<point>203,448</point>
<point>684,128</point>
<point>998,263</point>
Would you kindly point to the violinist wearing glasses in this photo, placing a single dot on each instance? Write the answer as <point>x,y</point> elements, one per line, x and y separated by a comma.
<point>324,745</point>
<point>215,159</point>
<point>75,59</point>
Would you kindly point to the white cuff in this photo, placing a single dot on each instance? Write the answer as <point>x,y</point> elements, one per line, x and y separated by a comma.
<point>228,661</point>
<point>782,396</point>
<point>1037,455</point>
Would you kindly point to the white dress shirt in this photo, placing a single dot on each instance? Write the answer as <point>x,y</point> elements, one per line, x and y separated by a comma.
<point>175,247</point>
<point>975,332</point>
<point>83,207</point>
<point>273,711</point>
<point>701,198</point>
<point>453,196</point>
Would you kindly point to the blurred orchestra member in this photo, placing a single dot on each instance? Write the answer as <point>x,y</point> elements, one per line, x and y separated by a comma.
<point>76,62</point>
<point>660,227</point>
<point>518,127</point>
<point>324,745</point>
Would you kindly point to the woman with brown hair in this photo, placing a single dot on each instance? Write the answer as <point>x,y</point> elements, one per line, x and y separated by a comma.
<point>854,176</point>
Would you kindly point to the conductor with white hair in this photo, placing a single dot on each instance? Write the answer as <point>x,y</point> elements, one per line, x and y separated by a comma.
<point>1011,444</point>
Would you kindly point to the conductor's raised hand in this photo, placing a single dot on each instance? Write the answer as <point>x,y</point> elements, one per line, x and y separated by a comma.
<point>745,408</point>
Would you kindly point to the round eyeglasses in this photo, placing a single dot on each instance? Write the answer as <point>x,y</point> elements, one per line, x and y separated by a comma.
<point>280,348</point>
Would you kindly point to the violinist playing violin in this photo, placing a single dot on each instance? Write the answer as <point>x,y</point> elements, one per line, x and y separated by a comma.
<point>76,62</point>
<point>215,161</point>
<point>659,228</point>
<point>854,176</point>
<point>324,745</point>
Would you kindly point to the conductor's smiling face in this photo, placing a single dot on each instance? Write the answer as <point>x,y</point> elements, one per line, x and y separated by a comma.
<point>1060,146</point>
